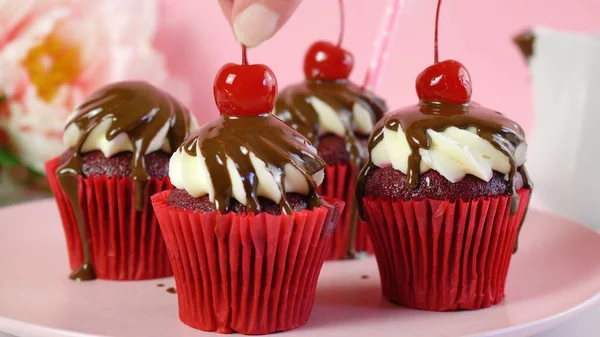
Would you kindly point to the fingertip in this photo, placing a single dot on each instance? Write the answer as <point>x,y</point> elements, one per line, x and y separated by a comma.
<point>255,21</point>
<point>255,24</point>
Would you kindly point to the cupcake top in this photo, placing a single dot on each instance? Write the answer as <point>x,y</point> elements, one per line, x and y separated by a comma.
<point>317,107</point>
<point>247,153</point>
<point>126,117</point>
<point>328,103</point>
<point>448,133</point>
<point>246,158</point>
<point>454,140</point>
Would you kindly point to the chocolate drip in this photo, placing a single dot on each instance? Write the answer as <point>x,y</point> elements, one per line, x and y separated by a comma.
<point>294,108</point>
<point>136,109</point>
<point>527,183</point>
<point>525,41</point>
<point>504,134</point>
<point>264,136</point>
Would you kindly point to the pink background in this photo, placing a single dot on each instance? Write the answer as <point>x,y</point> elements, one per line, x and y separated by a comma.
<point>198,40</point>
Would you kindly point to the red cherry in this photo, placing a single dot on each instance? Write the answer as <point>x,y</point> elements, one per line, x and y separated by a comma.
<point>447,81</point>
<point>326,61</point>
<point>245,90</point>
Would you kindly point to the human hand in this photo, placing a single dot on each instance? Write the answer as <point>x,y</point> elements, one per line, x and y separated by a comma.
<point>255,21</point>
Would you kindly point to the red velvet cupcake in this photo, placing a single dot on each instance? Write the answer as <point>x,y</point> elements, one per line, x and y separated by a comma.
<point>337,116</point>
<point>246,228</point>
<point>119,142</point>
<point>444,193</point>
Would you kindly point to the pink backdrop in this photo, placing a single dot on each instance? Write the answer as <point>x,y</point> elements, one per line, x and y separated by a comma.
<point>198,40</point>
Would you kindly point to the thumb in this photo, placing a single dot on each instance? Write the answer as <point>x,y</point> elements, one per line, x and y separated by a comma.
<point>255,21</point>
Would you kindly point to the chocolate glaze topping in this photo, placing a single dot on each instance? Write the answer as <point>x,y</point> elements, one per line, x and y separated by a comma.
<point>295,110</point>
<point>136,109</point>
<point>504,134</point>
<point>266,137</point>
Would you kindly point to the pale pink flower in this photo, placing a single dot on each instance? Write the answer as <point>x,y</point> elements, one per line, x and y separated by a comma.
<point>53,53</point>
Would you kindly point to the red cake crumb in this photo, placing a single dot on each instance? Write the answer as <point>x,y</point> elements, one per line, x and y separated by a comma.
<point>95,163</point>
<point>332,149</point>
<point>390,183</point>
<point>181,199</point>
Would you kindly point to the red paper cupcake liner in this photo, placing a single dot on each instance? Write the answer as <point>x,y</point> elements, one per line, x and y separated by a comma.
<point>253,274</point>
<point>339,183</point>
<point>440,255</point>
<point>363,238</point>
<point>125,244</point>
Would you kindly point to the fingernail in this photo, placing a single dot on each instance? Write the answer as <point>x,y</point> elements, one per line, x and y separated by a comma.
<point>255,24</point>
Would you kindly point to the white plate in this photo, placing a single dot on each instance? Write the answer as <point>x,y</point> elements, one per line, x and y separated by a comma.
<point>555,274</point>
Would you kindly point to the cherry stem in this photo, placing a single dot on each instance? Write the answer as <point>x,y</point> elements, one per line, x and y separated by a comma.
<point>244,55</point>
<point>435,41</point>
<point>342,23</point>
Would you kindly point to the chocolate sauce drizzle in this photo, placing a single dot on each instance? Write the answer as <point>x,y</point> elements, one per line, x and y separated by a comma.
<point>504,134</point>
<point>294,108</point>
<point>136,109</point>
<point>270,140</point>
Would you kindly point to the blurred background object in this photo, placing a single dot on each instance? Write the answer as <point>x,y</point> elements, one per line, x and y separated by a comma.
<point>53,53</point>
<point>563,143</point>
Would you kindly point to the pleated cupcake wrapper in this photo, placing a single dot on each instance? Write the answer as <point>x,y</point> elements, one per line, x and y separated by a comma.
<point>125,244</point>
<point>363,238</point>
<point>440,255</point>
<point>253,274</point>
<point>339,183</point>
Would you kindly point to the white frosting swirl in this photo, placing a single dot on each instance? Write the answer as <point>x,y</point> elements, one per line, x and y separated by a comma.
<point>97,140</point>
<point>190,173</point>
<point>454,153</point>
<point>331,121</point>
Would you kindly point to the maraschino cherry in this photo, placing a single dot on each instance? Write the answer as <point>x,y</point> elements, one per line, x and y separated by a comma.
<point>447,81</point>
<point>327,61</point>
<point>246,89</point>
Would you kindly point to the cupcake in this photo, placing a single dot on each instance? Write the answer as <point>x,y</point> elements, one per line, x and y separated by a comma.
<point>119,143</point>
<point>337,116</point>
<point>246,229</point>
<point>444,193</point>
